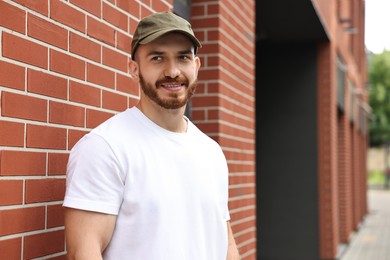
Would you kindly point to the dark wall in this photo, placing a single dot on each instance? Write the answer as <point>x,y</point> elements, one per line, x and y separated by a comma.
<point>286,107</point>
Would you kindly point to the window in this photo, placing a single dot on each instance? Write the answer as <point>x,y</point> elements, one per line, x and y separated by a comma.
<point>341,68</point>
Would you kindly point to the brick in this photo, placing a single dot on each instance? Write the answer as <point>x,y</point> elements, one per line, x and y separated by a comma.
<point>25,107</point>
<point>45,31</point>
<point>202,89</point>
<point>55,216</point>
<point>127,85</point>
<point>20,163</point>
<point>11,134</point>
<point>11,192</point>
<point>12,17</point>
<point>210,48</point>
<point>15,221</point>
<point>44,190</point>
<point>67,65</point>
<point>100,76</point>
<point>208,101</point>
<point>46,84</point>
<point>57,163</point>
<point>60,257</point>
<point>114,101</point>
<point>160,6</point>
<point>11,248</point>
<point>114,17</point>
<point>248,246</point>
<point>74,137</point>
<point>42,244</point>
<point>24,50</point>
<point>115,59</point>
<point>210,74</point>
<point>201,35</point>
<point>100,31</point>
<point>96,117</point>
<point>12,76</point>
<point>46,137</point>
<point>199,10</point>
<point>145,11</point>
<point>133,101</point>
<point>130,6</point>
<point>212,9</point>
<point>213,61</point>
<point>123,42</point>
<point>214,114</point>
<point>65,114</point>
<point>91,6</point>
<point>207,22</point>
<point>198,115</point>
<point>40,6</point>
<point>133,25</point>
<point>63,13</point>
<point>82,93</point>
<point>84,47</point>
<point>244,213</point>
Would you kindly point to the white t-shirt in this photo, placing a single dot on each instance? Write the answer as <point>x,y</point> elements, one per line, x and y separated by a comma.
<point>169,190</point>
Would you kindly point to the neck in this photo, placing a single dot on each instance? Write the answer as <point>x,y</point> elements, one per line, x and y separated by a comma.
<point>169,119</point>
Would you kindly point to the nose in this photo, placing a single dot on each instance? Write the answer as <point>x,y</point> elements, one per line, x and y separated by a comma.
<point>171,70</point>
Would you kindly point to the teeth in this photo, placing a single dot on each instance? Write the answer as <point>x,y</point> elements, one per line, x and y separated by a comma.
<point>171,85</point>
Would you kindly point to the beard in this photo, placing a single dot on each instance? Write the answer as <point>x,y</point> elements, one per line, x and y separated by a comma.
<point>173,101</point>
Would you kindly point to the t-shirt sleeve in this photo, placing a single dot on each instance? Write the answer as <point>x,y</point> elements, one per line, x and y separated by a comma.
<point>94,180</point>
<point>224,185</point>
<point>226,195</point>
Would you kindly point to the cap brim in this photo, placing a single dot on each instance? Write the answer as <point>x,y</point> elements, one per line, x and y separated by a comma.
<point>158,34</point>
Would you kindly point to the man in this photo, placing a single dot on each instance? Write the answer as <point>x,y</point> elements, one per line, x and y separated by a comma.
<point>147,184</point>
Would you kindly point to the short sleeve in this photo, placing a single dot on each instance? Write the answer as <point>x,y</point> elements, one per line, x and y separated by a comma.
<point>224,183</point>
<point>94,180</point>
<point>226,191</point>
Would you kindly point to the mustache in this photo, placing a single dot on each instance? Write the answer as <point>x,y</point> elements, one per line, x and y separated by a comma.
<point>181,80</point>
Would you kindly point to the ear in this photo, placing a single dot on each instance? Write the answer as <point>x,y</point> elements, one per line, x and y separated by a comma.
<point>197,65</point>
<point>134,70</point>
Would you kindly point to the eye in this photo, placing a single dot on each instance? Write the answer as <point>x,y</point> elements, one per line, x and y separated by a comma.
<point>185,57</point>
<point>156,58</point>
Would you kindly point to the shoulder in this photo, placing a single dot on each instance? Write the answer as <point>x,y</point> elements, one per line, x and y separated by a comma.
<point>195,131</point>
<point>117,122</point>
<point>206,142</point>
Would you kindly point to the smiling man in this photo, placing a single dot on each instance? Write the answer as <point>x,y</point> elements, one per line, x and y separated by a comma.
<point>147,184</point>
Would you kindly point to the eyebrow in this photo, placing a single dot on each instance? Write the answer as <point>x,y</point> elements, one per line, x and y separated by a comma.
<point>186,51</point>
<point>151,53</point>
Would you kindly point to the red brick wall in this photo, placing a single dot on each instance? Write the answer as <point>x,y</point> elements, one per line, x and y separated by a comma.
<point>345,186</point>
<point>327,152</point>
<point>342,143</point>
<point>63,70</point>
<point>225,101</point>
<point>344,177</point>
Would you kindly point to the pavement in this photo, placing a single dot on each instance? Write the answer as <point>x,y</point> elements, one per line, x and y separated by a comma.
<point>372,240</point>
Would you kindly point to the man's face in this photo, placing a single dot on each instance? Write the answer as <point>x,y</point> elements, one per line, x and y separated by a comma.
<point>168,70</point>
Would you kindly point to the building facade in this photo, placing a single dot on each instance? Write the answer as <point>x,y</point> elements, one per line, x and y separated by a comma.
<point>63,71</point>
<point>281,89</point>
<point>311,105</point>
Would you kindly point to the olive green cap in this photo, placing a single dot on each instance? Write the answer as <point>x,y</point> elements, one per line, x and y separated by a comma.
<point>158,24</point>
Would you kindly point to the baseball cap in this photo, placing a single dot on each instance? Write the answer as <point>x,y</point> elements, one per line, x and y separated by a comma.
<point>158,24</point>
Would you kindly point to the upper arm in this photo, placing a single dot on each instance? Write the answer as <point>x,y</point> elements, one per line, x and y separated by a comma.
<point>232,253</point>
<point>87,233</point>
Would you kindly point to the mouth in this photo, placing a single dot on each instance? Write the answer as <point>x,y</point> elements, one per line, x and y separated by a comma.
<point>172,86</point>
